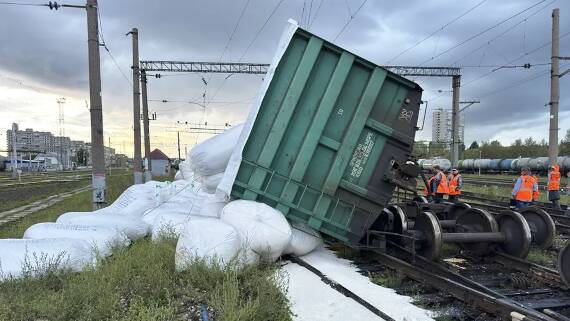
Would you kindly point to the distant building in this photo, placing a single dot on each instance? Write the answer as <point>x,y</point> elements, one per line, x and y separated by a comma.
<point>68,153</point>
<point>441,127</point>
<point>159,162</point>
<point>30,142</point>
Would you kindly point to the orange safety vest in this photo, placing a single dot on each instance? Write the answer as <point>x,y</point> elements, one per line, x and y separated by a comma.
<point>535,194</point>
<point>554,179</point>
<point>524,193</point>
<point>427,189</point>
<point>453,182</point>
<point>442,188</point>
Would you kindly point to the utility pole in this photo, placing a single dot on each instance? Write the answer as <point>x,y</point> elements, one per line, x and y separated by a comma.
<point>14,150</point>
<point>554,90</point>
<point>178,134</point>
<point>456,84</point>
<point>146,129</point>
<point>96,106</point>
<point>136,108</point>
<point>60,103</point>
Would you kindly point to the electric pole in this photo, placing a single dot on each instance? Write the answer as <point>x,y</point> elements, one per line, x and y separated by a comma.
<point>60,103</point>
<point>146,129</point>
<point>14,150</point>
<point>136,108</point>
<point>96,106</point>
<point>178,134</point>
<point>456,84</point>
<point>554,90</point>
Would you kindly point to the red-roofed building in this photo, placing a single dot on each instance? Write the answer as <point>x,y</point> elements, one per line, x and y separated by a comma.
<point>159,163</point>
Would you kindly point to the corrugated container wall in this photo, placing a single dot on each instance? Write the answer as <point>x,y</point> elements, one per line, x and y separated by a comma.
<point>328,131</point>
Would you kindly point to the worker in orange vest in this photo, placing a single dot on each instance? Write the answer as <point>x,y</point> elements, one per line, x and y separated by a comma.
<point>524,188</point>
<point>455,185</point>
<point>536,193</point>
<point>439,185</point>
<point>554,186</point>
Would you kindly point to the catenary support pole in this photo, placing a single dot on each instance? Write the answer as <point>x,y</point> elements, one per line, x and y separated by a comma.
<point>146,129</point>
<point>554,90</point>
<point>14,150</point>
<point>456,84</point>
<point>178,135</point>
<point>137,162</point>
<point>96,106</point>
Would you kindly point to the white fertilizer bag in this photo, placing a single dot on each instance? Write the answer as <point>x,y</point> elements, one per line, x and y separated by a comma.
<point>303,240</point>
<point>185,170</point>
<point>211,182</point>
<point>209,239</point>
<point>262,228</point>
<point>212,155</point>
<point>133,227</point>
<point>27,257</point>
<point>212,206</point>
<point>101,239</point>
<point>168,225</point>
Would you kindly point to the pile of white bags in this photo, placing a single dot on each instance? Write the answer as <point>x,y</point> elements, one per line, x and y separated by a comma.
<point>208,239</point>
<point>168,224</point>
<point>134,228</point>
<point>303,240</point>
<point>212,156</point>
<point>262,228</point>
<point>33,257</point>
<point>102,239</point>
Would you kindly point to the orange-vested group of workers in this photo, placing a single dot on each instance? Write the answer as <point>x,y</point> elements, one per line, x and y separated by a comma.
<point>440,185</point>
<point>525,191</point>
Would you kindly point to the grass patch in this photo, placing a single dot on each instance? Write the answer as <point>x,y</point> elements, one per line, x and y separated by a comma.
<point>116,184</point>
<point>543,257</point>
<point>140,283</point>
<point>343,251</point>
<point>388,278</point>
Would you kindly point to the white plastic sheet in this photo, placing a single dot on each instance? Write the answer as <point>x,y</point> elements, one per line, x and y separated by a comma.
<point>134,228</point>
<point>303,240</point>
<point>28,257</point>
<point>209,239</point>
<point>212,155</point>
<point>262,228</point>
<point>102,239</point>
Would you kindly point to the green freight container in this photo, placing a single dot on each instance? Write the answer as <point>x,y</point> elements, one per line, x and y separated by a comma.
<point>330,138</point>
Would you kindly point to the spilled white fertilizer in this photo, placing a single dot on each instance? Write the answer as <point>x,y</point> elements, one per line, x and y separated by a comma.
<point>310,300</point>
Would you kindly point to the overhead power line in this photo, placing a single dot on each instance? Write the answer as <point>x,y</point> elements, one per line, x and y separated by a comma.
<point>488,42</point>
<point>482,32</point>
<point>513,60</point>
<point>436,31</point>
<point>352,16</point>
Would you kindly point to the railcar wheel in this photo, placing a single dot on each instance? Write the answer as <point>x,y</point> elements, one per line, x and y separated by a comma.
<point>517,233</point>
<point>454,210</point>
<point>428,229</point>
<point>476,220</point>
<point>542,227</point>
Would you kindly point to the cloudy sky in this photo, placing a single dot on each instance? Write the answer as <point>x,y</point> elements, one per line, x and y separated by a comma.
<point>43,56</point>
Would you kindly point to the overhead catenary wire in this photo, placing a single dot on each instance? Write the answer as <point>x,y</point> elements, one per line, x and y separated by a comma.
<point>512,61</point>
<point>433,33</point>
<point>107,50</point>
<point>275,8</point>
<point>352,16</point>
<point>476,35</point>
<point>488,42</point>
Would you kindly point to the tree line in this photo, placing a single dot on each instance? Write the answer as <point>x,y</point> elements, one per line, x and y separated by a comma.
<point>528,147</point>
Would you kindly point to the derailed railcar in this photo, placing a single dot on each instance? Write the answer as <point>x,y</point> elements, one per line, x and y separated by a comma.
<point>327,139</point>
